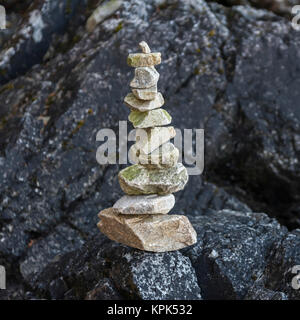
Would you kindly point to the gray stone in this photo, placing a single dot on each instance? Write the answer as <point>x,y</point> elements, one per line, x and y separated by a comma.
<point>149,119</point>
<point>137,179</point>
<point>144,59</point>
<point>166,156</point>
<point>145,94</point>
<point>144,78</point>
<point>144,47</point>
<point>144,105</point>
<point>147,140</point>
<point>151,204</point>
<point>155,233</point>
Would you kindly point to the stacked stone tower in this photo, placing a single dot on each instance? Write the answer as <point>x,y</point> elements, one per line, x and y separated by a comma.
<point>140,218</point>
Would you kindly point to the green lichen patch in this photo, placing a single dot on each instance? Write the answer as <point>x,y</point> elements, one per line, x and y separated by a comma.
<point>137,117</point>
<point>144,59</point>
<point>130,173</point>
<point>149,119</point>
<point>137,179</point>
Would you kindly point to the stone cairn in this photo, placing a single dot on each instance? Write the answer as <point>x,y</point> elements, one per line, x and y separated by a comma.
<point>140,218</point>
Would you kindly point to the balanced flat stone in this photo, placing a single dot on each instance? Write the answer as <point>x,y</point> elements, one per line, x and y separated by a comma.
<point>140,218</point>
<point>151,204</point>
<point>148,119</point>
<point>147,140</point>
<point>137,179</point>
<point>137,60</point>
<point>166,156</point>
<point>155,233</point>
<point>143,105</point>
<point>145,94</point>
<point>144,77</point>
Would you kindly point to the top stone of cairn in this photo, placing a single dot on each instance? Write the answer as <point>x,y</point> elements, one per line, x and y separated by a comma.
<point>144,59</point>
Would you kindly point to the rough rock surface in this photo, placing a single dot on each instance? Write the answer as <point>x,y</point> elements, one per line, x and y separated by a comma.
<point>148,140</point>
<point>145,94</point>
<point>145,105</point>
<point>282,7</point>
<point>144,78</point>
<point>53,107</point>
<point>124,272</point>
<point>143,60</point>
<point>137,179</point>
<point>233,251</point>
<point>153,118</point>
<point>166,156</point>
<point>151,204</point>
<point>155,233</point>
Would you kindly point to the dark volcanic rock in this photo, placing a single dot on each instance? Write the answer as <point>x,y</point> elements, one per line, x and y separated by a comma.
<point>259,292</point>
<point>282,7</point>
<point>284,262</point>
<point>31,41</point>
<point>233,254</point>
<point>232,251</point>
<point>106,270</point>
<point>232,71</point>
<point>62,240</point>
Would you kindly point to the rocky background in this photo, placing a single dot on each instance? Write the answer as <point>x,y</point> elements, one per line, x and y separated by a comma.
<point>230,67</point>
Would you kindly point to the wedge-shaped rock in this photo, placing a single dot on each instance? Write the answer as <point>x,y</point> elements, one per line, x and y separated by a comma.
<point>144,77</point>
<point>144,59</point>
<point>145,94</point>
<point>149,119</point>
<point>156,233</point>
<point>151,204</point>
<point>143,105</point>
<point>166,156</point>
<point>144,46</point>
<point>147,140</point>
<point>137,179</point>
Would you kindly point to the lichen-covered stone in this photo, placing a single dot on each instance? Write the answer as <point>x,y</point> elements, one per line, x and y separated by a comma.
<point>156,233</point>
<point>144,105</point>
<point>149,119</point>
<point>137,179</point>
<point>144,77</point>
<point>166,156</point>
<point>150,204</point>
<point>147,140</point>
<point>144,59</point>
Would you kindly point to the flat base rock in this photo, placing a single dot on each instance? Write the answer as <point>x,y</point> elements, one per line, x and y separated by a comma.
<point>150,204</point>
<point>137,179</point>
<point>156,233</point>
